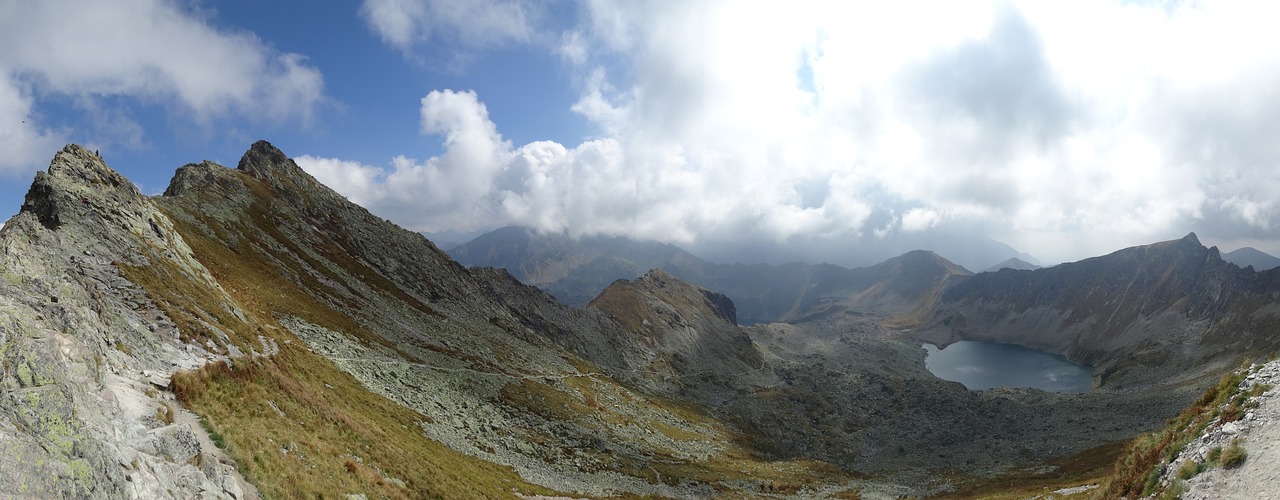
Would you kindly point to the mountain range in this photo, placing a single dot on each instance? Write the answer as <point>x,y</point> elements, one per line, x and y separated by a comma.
<point>253,333</point>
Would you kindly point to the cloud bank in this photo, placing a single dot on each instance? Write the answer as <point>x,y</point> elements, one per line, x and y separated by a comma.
<point>148,51</point>
<point>814,121</point>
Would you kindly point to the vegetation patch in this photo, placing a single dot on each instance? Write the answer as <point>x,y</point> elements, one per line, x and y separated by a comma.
<point>305,452</point>
<point>1137,472</point>
<point>1089,467</point>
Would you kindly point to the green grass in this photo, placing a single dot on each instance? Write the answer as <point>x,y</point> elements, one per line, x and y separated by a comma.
<point>1190,469</point>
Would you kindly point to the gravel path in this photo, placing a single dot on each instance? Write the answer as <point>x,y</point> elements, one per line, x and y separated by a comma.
<point>1259,476</point>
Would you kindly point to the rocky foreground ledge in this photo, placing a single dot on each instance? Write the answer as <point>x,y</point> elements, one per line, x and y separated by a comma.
<point>1206,468</point>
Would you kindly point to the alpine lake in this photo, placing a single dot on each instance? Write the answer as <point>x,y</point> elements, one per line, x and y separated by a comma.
<point>985,365</point>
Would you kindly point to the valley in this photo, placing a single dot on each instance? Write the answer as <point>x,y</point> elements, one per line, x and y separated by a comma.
<point>324,351</point>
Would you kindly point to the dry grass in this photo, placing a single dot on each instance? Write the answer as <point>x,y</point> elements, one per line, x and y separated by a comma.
<point>1137,472</point>
<point>1233,455</point>
<point>1088,467</point>
<point>307,451</point>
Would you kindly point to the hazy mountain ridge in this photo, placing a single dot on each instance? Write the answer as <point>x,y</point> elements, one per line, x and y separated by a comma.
<point>1013,263</point>
<point>576,270</point>
<point>1249,256</point>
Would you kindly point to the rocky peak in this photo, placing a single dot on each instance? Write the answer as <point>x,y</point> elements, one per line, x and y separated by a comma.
<point>288,181</point>
<point>193,176</point>
<point>75,162</point>
<point>926,260</point>
<point>674,329</point>
<point>76,181</point>
<point>670,286</point>
<point>264,160</point>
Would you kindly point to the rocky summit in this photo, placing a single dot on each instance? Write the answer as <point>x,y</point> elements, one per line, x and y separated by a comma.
<point>251,333</point>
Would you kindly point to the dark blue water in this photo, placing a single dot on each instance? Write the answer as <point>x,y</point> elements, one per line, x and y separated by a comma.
<point>983,365</point>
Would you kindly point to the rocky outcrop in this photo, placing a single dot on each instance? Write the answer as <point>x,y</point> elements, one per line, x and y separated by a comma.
<point>85,410</point>
<point>676,337</point>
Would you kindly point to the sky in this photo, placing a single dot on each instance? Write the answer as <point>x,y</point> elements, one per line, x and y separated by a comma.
<point>1063,129</point>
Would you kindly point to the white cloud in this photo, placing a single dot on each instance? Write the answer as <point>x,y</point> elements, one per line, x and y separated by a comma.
<point>733,121</point>
<point>358,182</point>
<point>150,50</point>
<point>476,23</point>
<point>919,219</point>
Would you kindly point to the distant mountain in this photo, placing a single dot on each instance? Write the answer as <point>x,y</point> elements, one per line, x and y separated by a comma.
<point>1249,256</point>
<point>972,251</point>
<point>1162,307</point>
<point>1013,263</point>
<point>576,270</point>
<point>572,270</point>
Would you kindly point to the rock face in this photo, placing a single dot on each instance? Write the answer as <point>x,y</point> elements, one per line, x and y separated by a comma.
<point>79,416</point>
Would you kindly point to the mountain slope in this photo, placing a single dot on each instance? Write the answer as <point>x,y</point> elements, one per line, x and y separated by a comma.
<point>326,352</point>
<point>456,347</point>
<point>574,270</point>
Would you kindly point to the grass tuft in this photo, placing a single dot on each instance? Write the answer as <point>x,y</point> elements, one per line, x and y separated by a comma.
<point>1234,455</point>
<point>165,414</point>
<point>1190,469</point>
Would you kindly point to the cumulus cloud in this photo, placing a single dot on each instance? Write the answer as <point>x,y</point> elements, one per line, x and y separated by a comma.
<point>812,122</point>
<point>154,51</point>
<point>476,23</point>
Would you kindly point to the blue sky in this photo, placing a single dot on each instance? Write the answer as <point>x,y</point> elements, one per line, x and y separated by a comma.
<point>1064,129</point>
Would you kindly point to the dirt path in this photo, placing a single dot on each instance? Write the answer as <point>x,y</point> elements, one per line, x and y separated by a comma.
<point>1259,477</point>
